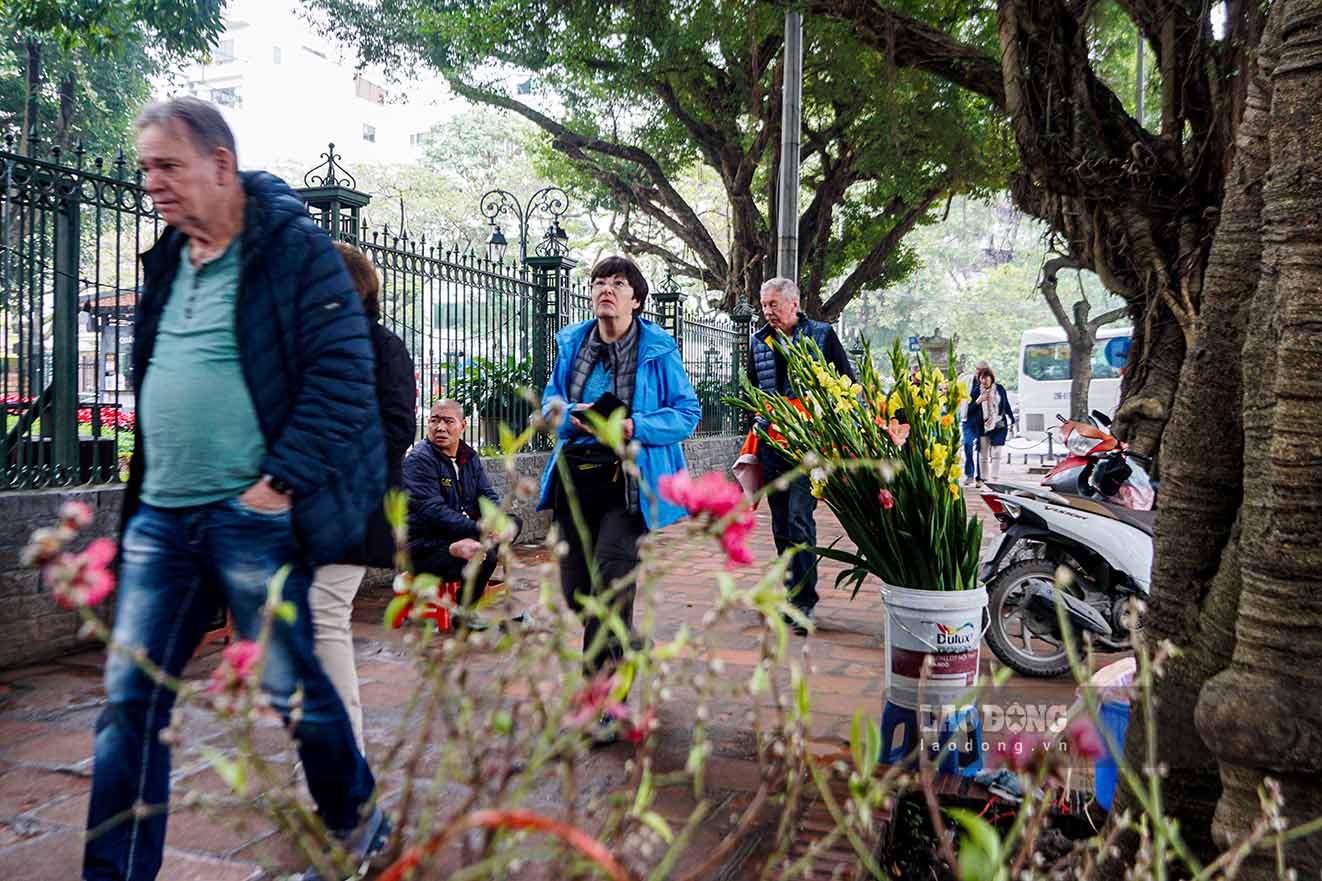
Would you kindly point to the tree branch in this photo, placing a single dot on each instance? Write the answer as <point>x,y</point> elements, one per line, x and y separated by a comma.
<point>871,266</point>
<point>1106,318</point>
<point>685,222</point>
<point>1048,288</point>
<point>912,43</point>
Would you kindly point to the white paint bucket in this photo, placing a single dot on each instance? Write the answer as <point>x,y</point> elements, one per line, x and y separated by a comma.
<point>944,625</point>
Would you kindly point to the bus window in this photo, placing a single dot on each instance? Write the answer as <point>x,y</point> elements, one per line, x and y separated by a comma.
<point>1045,362</point>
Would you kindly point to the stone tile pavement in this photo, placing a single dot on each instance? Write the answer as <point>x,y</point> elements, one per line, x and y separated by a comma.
<point>48,713</point>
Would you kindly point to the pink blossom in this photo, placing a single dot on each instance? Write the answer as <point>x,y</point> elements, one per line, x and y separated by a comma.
<point>736,551</point>
<point>1025,752</point>
<point>76,515</point>
<point>593,701</point>
<point>1086,741</point>
<point>237,663</point>
<point>45,544</point>
<point>637,728</point>
<point>712,493</point>
<point>899,433</point>
<point>82,579</point>
<point>887,500</point>
<point>717,496</point>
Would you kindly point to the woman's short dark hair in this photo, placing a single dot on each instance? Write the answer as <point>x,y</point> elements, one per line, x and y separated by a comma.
<point>617,265</point>
<point>364,277</point>
<point>987,371</point>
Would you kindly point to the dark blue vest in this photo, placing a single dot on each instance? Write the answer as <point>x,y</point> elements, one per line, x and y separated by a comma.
<point>764,359</point>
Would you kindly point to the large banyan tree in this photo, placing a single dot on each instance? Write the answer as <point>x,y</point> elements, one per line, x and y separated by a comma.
<point>1210,227</point>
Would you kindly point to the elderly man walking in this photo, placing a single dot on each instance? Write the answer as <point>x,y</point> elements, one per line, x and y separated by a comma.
<point>258,444</point>
<point>792,509</point>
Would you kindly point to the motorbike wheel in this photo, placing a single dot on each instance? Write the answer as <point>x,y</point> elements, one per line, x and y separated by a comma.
<point>1008,633</point>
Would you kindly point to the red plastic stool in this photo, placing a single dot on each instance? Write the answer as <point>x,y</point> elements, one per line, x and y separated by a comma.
<point>439,613</point>
<point>222,628</point>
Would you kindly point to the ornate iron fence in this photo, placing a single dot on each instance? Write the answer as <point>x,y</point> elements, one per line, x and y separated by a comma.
<point>479,327</point>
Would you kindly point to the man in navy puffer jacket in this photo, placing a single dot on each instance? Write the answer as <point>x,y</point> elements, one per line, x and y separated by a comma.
<point>257,445</point>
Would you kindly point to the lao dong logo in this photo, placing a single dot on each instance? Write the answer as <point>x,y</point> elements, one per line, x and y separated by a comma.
<point>955,637</point>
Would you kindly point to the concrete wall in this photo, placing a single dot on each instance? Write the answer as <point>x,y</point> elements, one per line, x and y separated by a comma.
<point>34,628</point>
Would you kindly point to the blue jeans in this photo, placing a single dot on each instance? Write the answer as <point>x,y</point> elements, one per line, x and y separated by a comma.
<point>178,566</point>
<point>970,438</point>
<point>793,522</point>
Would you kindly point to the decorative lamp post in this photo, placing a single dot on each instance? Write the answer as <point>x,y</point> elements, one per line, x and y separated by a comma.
<point>668,297</point>
<point>332,197</point>
<point>550,200</point>
<point>496,245</point>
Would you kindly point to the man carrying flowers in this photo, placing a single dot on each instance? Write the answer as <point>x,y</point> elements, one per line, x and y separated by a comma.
<point>793,508</point>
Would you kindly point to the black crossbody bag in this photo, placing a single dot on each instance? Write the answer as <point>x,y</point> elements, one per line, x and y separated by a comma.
<point>594,470</point>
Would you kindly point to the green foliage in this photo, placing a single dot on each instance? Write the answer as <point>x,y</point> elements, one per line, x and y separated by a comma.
<point>176,28</point>
<point>634,97</point>
<point>492,386</point>
<point>108,91</point>
<point>977,280</point>
<point>92,62</point>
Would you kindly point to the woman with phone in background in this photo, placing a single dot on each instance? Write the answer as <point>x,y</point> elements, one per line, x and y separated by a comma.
<point>615,360</point>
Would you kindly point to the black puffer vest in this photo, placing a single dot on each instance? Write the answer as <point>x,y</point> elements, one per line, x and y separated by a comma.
<point>764,359</point>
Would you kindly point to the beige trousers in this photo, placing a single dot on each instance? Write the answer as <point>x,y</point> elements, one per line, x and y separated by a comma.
<point>989,458</point>
<point>331,599</point>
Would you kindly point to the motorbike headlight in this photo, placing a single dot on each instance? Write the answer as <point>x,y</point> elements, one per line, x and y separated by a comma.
<point>1080,445</point>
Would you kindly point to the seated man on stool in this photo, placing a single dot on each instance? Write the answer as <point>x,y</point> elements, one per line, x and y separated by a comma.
<point>444,478</point>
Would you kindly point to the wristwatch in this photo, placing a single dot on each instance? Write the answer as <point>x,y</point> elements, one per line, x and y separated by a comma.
<point>278,485</point>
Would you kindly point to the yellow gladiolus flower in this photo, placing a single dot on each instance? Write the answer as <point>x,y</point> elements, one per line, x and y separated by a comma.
<point>947,420</point>
<point>956,472</point>
<point>954,490</point>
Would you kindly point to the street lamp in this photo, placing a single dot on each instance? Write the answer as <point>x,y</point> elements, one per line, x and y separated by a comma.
<point>550,200</point>
<point>496,245</point>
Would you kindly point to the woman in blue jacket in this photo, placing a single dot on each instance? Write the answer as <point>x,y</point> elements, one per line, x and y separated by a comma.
<point>616,359</point>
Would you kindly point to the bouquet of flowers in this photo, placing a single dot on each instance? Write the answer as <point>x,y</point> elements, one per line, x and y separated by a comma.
<point>885,459</point>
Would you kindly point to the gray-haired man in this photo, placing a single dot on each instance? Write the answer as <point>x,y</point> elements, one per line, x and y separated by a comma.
<point>792,509</point>
<point>258,444</point>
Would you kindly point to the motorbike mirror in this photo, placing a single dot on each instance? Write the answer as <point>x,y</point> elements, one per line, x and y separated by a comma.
<point>1061,419</point>
<point>1101,418</point>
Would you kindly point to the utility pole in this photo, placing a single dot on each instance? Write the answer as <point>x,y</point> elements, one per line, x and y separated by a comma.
<point>787,198</point>
<point>1138,86</point>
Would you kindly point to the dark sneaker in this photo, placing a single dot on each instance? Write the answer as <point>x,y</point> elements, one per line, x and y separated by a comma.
<point>604,732</point>
<point>362,843</point>
<point>462,619</point>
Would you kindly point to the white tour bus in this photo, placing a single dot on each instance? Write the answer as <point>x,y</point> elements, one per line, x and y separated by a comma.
<point>1044,375</point>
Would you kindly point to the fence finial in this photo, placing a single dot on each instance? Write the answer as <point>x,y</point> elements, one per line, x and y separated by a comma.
<point>334,175</point>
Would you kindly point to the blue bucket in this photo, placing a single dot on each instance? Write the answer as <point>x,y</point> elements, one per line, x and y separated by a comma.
<point>1115,719</point>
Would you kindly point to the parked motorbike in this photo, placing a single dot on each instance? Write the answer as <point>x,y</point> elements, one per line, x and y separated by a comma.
<point>1106,549</point>
<point>1100,466</point>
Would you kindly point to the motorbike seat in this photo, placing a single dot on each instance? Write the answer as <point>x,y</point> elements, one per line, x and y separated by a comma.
<point>1143,521</point>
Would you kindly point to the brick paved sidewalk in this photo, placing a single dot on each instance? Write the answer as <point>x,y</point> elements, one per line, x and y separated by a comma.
<point>48,712</point>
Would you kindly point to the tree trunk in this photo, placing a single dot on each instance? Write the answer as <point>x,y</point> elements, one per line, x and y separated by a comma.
<point>68,104</point>
<point>31,96</point>
<point>1081,346</point>
<point>1261,716</point>
<point>1195,575</point>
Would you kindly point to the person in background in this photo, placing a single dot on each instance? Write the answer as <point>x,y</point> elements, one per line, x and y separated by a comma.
<point>445,478</point>
<point>793,522</point>
<point>334,586</point>
<point>258,448</point>
<point>971,428</point>
<point>615,360</point>
<point>997,417</point>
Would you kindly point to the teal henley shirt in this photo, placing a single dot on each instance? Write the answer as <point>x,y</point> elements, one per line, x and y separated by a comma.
<point>202,439</point>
